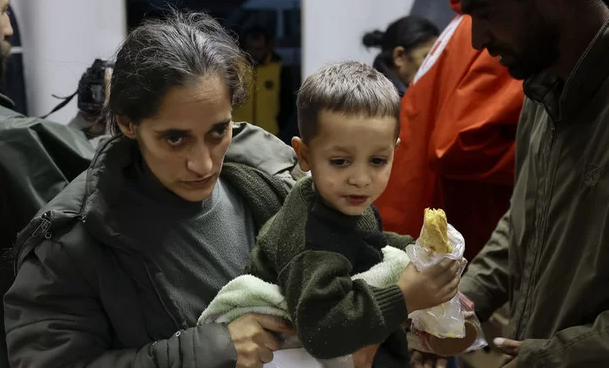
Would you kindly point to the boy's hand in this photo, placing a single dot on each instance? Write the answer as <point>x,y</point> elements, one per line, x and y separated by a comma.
<point>430,287</point>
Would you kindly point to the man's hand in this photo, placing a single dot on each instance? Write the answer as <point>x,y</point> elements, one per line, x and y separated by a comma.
<point>509,347</point>
<point>251,334</point>
<point>424,360</point>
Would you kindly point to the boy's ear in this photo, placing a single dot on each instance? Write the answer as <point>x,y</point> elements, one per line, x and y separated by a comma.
<point>128,129</point>
<point>302,152</point>
<point>397,143</point>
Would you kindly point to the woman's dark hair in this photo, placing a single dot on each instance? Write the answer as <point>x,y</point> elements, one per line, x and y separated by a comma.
<point>172,52</point>
<point>408,32</point>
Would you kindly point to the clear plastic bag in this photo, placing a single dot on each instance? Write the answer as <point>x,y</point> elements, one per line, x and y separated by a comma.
<point>445,320</point>
<point>422,341</point>
<point>467,306</point>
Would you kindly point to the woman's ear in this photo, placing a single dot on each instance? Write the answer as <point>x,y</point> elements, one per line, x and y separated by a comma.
<point>128,129</point>
<point>399,57</point>
<point>302,153</point>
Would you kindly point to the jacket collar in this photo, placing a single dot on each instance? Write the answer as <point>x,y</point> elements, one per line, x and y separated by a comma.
<point>563,100</point>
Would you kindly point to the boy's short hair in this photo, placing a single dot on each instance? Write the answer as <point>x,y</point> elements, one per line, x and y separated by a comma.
<point>349,87</point>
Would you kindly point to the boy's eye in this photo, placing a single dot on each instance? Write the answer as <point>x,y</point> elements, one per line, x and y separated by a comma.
<point>378,161</point>
<point>339,162</point>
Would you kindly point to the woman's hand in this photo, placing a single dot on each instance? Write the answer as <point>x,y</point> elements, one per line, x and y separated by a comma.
<point>252,335</point>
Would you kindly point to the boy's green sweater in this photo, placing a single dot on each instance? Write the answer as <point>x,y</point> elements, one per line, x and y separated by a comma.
<point>311,251</point>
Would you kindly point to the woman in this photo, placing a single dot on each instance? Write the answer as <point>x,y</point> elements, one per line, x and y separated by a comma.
<point>115,271</point>
<point>404,46</point>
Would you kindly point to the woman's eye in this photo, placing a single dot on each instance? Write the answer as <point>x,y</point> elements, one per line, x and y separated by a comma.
<point>220,131</point>
<point>379,161</point>
<point>339,162</point>
<point>174,140</point>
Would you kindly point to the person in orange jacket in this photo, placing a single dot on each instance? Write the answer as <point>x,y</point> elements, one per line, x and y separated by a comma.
<point>458,126</point>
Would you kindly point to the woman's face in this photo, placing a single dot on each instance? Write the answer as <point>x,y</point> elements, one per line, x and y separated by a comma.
<point>185,143</point>
<point>409,63</point>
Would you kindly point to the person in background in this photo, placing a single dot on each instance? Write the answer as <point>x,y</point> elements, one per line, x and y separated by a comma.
<point>38,158</point>
<point>271,96</point>
<point>12,80</point>
<point>404,46</point>
<point>459,121</point>
<point>6,29</point>
<point>93,93</point>
<point>114,271</point>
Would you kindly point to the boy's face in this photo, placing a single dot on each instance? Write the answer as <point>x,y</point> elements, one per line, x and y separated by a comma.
<point>350,159</point>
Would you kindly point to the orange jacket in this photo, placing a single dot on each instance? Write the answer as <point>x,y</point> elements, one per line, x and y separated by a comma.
<point>457,146</point>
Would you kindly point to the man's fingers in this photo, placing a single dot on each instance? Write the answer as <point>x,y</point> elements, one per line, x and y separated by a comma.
<point>441,363</point>
<point>416,360</point>
<point>510,347</point>
<point>420,360</point>
<point>430,362</point>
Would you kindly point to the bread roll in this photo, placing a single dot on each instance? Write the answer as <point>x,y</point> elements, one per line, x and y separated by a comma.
<point>434,235</point>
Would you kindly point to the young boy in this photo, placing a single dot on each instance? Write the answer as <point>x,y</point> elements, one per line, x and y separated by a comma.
<point>328,230</point>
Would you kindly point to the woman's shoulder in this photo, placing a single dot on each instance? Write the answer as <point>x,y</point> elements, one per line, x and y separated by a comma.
<point>59,221</point>
<point>255,147</point>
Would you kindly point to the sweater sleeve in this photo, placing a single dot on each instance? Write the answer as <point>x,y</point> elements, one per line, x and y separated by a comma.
<point>335,316</point>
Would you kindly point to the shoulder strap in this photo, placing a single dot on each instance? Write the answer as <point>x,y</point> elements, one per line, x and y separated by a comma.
<point>66,100</point>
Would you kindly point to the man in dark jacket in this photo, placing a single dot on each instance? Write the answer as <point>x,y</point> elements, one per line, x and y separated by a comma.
<point>548,256</point>
<point>37,160</point>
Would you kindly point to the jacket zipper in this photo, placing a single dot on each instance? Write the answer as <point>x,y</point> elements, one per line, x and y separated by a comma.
<point>21,252</point>
<point>161,299</point>
<point>548,198</point>
<point>541,231</point>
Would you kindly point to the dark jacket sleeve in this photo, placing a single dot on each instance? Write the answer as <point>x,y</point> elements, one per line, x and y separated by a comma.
<point>330,310</point>
<point>54,318</point>
<point>574,347</point>
<point>486,279</point>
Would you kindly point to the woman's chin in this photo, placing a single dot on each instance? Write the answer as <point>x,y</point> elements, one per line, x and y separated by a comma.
<point>195,193</point>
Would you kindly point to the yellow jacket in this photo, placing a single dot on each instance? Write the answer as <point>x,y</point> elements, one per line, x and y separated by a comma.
<point>264,100</point>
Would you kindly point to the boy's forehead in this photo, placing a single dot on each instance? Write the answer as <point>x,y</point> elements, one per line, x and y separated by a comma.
<point>342,132</point>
